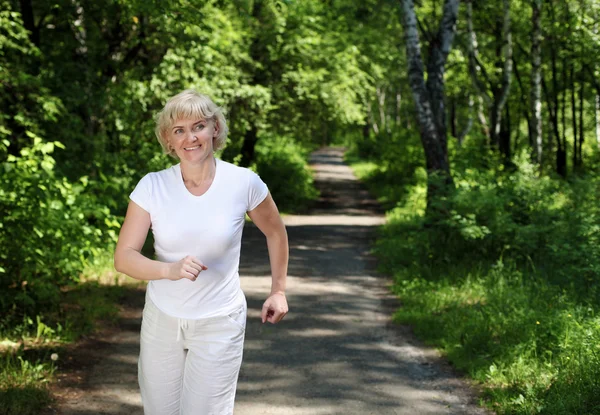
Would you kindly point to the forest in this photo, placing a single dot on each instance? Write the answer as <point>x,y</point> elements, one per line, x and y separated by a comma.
<point>475,123</point>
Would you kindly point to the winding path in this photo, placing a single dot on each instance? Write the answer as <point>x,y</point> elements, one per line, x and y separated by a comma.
<point>336,353</point>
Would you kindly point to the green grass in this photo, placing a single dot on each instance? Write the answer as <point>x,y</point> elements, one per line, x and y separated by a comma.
<point>505,288</point>
<point>386,183</point>
<point>533,349</point>
<point>32,349</point>
<point>23,383</point>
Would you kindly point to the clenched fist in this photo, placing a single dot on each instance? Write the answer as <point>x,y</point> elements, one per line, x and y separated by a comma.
<point>189,267</point>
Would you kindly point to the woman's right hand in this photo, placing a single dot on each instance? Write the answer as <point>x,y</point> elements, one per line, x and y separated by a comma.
<point>189,268</point>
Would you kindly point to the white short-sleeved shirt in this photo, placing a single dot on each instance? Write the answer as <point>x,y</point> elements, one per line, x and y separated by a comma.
<point>209,227</point>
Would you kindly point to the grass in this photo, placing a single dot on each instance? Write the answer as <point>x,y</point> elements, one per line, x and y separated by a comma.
<point>24,381</point>
<point>517,315</point>
<point>32,351</point>
<point>533,349</point>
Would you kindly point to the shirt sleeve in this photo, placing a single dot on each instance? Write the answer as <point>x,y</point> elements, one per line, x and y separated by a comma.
<point>257,191</point>
<point>142,194</point>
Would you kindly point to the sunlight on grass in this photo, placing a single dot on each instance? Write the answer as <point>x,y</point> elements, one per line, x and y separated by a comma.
<point>23,381</point>
<point>30,349</point>
<point>504,286</point>
<point>102,271</point>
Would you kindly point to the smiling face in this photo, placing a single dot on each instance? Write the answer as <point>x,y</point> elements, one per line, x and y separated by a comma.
<point>185,110</point>
<point>192,139</point>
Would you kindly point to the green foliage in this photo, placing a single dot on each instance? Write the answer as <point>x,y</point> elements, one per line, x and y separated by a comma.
<point>49,228</point>
<point>278,159</point>
<point>25,102</point>
<point>389,179</point>
<point>33,350</point>
<point>506,285</point>
<point>533,348</point>
<point>311,72</point>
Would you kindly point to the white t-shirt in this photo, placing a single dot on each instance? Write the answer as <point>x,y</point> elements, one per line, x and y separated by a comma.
<point>209,227</point>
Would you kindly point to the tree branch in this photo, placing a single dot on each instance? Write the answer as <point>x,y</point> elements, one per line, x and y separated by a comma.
<point>425,31</point>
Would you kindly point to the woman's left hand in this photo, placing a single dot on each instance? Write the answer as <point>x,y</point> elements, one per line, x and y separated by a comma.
<point>275,308</point>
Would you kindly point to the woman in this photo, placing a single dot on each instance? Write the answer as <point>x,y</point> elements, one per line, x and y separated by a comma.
<point>195,314</point>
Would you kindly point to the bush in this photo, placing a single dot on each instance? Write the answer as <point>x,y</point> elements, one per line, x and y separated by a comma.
<point>282,164</point>
<point>506,284</point>
<point>49,228</point>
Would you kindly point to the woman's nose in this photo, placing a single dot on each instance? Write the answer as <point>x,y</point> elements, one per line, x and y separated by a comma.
<point>192,136</point>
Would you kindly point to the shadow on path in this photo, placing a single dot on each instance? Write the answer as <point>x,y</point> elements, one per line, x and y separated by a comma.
<point>335,353</point>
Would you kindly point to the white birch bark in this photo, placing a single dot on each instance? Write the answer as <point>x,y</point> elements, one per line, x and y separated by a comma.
<point>501,98</point>
<point>536,80</point>
<point>429,96</point>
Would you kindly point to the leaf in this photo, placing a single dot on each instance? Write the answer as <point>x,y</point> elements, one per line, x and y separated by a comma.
<point>47,148</point>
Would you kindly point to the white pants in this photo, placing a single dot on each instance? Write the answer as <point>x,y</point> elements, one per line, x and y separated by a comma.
<point>189,367</point>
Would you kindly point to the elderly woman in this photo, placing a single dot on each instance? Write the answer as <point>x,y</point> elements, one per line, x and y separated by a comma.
<point>195,314</point>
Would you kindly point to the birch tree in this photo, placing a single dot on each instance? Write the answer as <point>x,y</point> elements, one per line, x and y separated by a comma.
<point>536,80</point>
<point>429,95</point>
<point>494,92</point>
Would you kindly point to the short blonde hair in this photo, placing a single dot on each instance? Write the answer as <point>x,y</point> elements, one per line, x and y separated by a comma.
<point>189,104</point>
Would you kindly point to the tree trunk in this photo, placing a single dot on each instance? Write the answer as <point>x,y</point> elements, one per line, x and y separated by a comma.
<point>552,103</point>
<point>469,125</point>
<point>372,119</point>
<point>574,117</point>
<point>581,125</point>
<point>597,119</point>
<point>561,153</point>
<point>366,130</point>
<point>561,161</point>
<point>29,22</point>
<point>504,137</point>
<point>429,96</point>
<point>499,90</point>
<point>536,81</point>
<point>258,78</point>
<point>501,96</point>
<point>481,115</point>
<point>381,101</point>
<point>561,156</point>
<point>249,146</point>
<point>597,96</point>
<point>523,103</point>
<point>453,117</point>
<point>398,108</point>
<point>477,71</point>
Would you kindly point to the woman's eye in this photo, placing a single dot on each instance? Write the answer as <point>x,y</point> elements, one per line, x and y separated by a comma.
<point>199,127</point>
<point>178,131</point>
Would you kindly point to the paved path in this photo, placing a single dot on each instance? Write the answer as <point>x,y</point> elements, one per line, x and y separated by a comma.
<point>336,353</point>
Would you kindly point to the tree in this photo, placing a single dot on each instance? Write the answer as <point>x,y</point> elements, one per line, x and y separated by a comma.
<point>494,91</point>
<point>536,80</point>
<point>429,95</point>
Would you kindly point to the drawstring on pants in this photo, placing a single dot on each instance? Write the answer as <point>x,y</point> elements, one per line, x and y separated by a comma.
<point>182,324</point>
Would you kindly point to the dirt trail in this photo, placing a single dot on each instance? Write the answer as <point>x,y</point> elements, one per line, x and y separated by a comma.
<point>336,353</point>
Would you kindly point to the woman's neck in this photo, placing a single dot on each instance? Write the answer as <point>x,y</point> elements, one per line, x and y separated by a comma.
<point>197,174</point>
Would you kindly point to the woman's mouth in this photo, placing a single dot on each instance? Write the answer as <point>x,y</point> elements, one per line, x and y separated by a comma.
<point>191,148</point>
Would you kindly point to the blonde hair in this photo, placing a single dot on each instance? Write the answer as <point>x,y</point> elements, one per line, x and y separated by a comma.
<point>189,104</point>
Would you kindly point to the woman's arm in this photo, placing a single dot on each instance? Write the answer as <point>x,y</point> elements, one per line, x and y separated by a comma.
<point>129,260</point>
<point>267,219</point>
